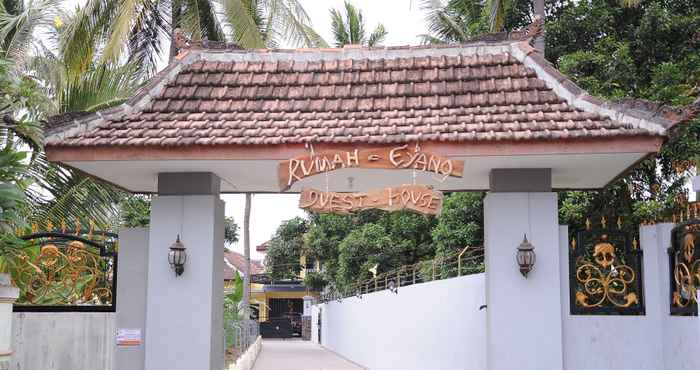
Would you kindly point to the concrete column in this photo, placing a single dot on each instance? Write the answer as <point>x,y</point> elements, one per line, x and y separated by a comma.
<point>524,320</point>
<point>184,314</point>
<point>131,295</point>
<point>306,318</point>
<point>8,295</point>
<point>696,187</point>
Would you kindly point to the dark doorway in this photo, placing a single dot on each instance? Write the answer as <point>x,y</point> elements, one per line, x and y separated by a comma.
<point>284,318</point>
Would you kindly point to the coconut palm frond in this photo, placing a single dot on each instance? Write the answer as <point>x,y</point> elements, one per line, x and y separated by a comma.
<point>148,32</point>
<point>82,34</point>
<point>355,24</point>
<point>497,14</point>
<point>65,194</point>
<point>315,40</point>
<point>238,16</point>
<point>19,22</point>
<point>98,88</point>
<point>350,28</point>
<point>377,36</point>
<point>452,21</point>
<point>340,33</point>
<point>426,39</point>
<point>198,21</point>
<point>128,14</point>
<point>291,22</point>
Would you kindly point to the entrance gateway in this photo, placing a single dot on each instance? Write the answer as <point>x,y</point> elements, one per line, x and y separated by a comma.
<point>220,120</point>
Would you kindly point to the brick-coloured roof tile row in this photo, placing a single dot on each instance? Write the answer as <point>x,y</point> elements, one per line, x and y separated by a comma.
<point>476,97</point>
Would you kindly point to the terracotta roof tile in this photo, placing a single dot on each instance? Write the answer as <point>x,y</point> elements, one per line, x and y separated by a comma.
<point>463,97</point>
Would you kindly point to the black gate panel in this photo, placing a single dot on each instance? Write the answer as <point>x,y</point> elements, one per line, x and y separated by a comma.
<point>684,266</point>
<point>605,271</point>
<point>276,328</point>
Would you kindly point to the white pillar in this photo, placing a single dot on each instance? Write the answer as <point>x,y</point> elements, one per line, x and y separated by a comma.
<point>8,295</point>
<point>696,187</point>
<point>524,322</point>
<point>132,280</point>
<point>184,314</point>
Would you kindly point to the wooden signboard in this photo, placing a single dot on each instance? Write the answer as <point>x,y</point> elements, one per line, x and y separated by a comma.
<point>398,157</point>
<point>417,198</point>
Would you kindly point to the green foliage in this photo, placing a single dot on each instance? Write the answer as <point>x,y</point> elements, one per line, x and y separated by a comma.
<point>269,23</point>
<point>363,248</point>
<point>348,246</point>
<point>135,211</point>
<point>649,52</point>
<point>350,28</point>
<point>231,232</point>
<point>461,222</point>
<point>283,254</point>
<point>231,302</point>
<point>315,281</point>
<point>232,299</point>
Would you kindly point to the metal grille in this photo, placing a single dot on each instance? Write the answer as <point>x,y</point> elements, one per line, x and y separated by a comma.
<point>61,270</point>
<point>684,266</point>
<point>238,337</point>
<point>467,261</point>
<point>605,271</point>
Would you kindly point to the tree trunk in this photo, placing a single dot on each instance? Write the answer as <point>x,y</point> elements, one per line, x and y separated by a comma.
<point>174,24</point>
<point>539,10</point>
<point>246,252</point>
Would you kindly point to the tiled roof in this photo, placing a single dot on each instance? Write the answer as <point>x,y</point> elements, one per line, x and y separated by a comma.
<point>234,261</point>
<point>262,247</point>
<point>485,91</point>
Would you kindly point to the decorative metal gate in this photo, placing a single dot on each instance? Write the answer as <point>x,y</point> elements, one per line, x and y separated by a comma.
<point>684,267</point>
<point>62,270</point>
<point>605,271</point>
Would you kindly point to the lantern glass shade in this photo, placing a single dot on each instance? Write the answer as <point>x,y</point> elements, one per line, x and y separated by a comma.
<point>177,257</point>
<point>525,256</point>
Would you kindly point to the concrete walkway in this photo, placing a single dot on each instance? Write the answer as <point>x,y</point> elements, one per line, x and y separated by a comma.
<point>299,355</point>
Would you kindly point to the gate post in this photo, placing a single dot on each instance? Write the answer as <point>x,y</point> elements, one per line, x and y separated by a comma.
<point>524,319</point>
<point>306,318</point>
<point>8,295</point>
<point>184,313</point>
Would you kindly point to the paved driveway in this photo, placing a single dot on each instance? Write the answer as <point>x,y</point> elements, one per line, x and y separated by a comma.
<point>299,355</point>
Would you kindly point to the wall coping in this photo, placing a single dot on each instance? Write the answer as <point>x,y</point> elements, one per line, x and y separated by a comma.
<point>8,292</point>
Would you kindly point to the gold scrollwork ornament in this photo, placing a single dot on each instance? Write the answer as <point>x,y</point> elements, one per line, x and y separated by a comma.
<point>605,280</point>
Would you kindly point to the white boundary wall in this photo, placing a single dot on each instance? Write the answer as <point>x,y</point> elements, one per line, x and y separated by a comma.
<point>435,325</point>
<point>63,341</point>
<point>654,341</point>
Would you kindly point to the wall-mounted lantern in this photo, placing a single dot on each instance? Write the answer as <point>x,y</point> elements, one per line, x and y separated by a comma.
<point>177,257</point>
<point>525,256</point>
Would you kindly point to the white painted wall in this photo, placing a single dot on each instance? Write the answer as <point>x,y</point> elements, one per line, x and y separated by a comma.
<point>435,325</point>
<point>650,342</point>
<point>63,341</point>
<point>184,315</point>
<point>524,321</point>
<point>132,276</point>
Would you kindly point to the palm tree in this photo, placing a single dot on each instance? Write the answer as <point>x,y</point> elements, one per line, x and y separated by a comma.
<point>453,22</point>
<point>269,23</point>
<point>136,29</point>
<point>48,86</point>
<point>350,29</point>
<point>460,20</point>
<point>246,252</point>
<point>19,20</point>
